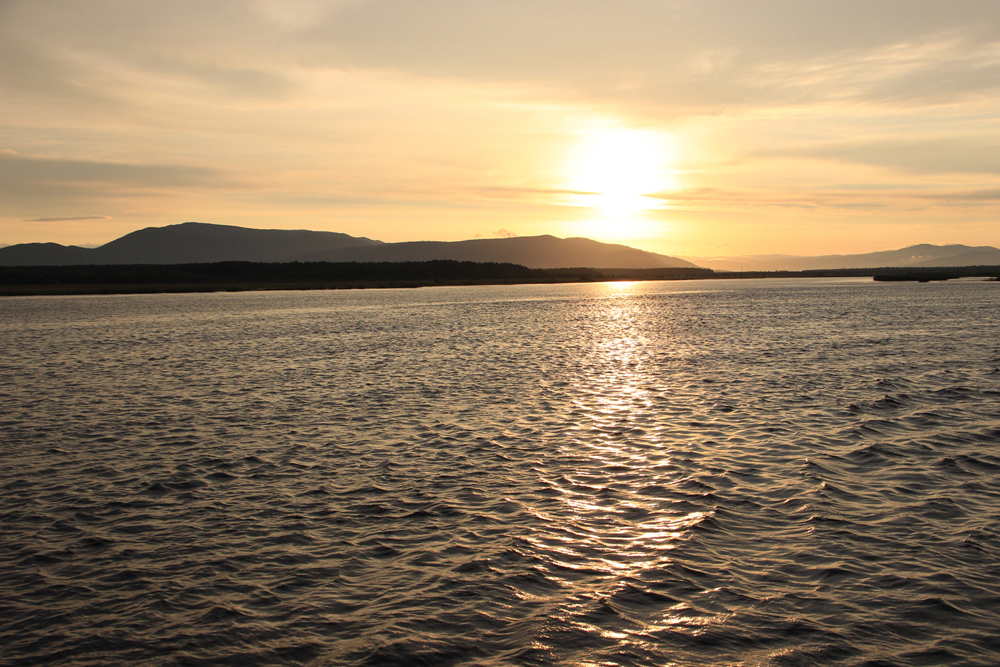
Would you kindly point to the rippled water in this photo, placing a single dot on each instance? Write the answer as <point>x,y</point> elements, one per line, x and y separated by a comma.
<point>783,472</point>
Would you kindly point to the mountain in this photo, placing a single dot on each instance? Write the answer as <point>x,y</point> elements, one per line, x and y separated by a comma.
<point>923,255</point>
<point>44,254</point>
<point>196,242</point>
<point>534,252</point>
<point>186,243</point>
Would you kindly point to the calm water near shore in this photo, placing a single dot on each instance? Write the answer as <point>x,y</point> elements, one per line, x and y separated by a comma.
<point>745,472</point>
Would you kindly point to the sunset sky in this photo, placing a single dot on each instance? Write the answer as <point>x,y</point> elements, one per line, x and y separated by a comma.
<point>686,127</point>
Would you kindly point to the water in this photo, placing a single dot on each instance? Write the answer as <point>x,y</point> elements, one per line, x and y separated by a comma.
<point>784,472</point>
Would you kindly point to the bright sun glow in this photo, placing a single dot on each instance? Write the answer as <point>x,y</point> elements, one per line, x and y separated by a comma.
<point>618,167</point>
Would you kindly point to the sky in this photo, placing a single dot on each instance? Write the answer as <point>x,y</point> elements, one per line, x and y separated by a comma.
<point>685,127</point>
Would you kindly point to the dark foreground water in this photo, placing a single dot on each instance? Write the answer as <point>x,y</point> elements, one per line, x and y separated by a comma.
<point>748,473</point>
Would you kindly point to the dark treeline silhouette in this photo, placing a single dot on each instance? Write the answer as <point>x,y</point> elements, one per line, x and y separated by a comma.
<point>881,274</point>
<point>929,275</point>
<point>246,276</point>
<point>242,272</point>
<point>239,276</point>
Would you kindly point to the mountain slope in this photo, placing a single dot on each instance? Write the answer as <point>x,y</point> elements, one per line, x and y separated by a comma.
<point>194,242</point>
<point>534,252</point>
<point>922,255</point>
<point>185,243</point>
<point>44,254</point>
<point>977,256</point>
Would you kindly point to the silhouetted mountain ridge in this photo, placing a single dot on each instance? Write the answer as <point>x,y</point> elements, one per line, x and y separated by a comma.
<point>195,242</point>
<point>44,254</point>
<point>534,252</point>
<point>185,243</point>
<point>199,242</point>
<point>921,255</point>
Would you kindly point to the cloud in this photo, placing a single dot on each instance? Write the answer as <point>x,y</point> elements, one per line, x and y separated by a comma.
<point>228,81</point>
<point>18,171</point>
<point>669,53</point>
<point>77,217</point>
<point>681,54</point>
<point>295,15</point>
<point>512,192</point>
<point>944,155</point>
<point>33,184</point>
<point>974,196</point>
<point>874,197</point>
<point>41,73</point>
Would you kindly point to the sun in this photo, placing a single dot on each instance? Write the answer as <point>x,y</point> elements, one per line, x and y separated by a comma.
<point>615,169</point>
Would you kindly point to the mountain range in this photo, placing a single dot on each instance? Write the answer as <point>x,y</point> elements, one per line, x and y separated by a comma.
<point>922,255</point>
<point>197,242</point>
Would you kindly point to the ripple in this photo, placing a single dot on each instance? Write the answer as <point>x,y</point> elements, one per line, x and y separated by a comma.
<point>513,475</point>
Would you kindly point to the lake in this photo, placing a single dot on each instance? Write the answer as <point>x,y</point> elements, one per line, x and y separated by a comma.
<point>744,472</point>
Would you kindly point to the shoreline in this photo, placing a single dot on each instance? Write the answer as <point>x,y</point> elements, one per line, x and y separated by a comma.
<point>81,280</point>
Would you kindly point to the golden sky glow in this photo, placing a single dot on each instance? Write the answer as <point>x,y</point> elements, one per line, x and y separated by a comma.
<point>716,127</point>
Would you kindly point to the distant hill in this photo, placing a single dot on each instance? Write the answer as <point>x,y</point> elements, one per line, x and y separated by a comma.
<point>186,243</point>
<point>923,255</point>
<point>534,252</point>
<point>44,254</point>
<point>195,242</point>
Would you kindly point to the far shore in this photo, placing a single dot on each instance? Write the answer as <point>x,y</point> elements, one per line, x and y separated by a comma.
<point>253,276</point>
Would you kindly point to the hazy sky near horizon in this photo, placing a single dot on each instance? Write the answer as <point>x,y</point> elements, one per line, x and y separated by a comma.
<point>687,127</point>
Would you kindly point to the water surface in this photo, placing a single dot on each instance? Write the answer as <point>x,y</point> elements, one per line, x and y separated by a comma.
<point>780,472</point>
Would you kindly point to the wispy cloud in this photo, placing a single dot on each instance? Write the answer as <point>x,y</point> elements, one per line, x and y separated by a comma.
<point>974,196</point>
<point>75,217</point>
<point>21,170</point>
<point>33,185</point>
<point>943,155</point>
<point>896,197</point>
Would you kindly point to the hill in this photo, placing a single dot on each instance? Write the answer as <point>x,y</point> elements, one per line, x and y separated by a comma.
<point>534,252</point>
<point>923,255</point>
<point>186,243</point>
<point>44,254</point>
<point>195,242</point>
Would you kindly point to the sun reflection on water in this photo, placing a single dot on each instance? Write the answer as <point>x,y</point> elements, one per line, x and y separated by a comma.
<point>619,512</point>
<point>614,494</point>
